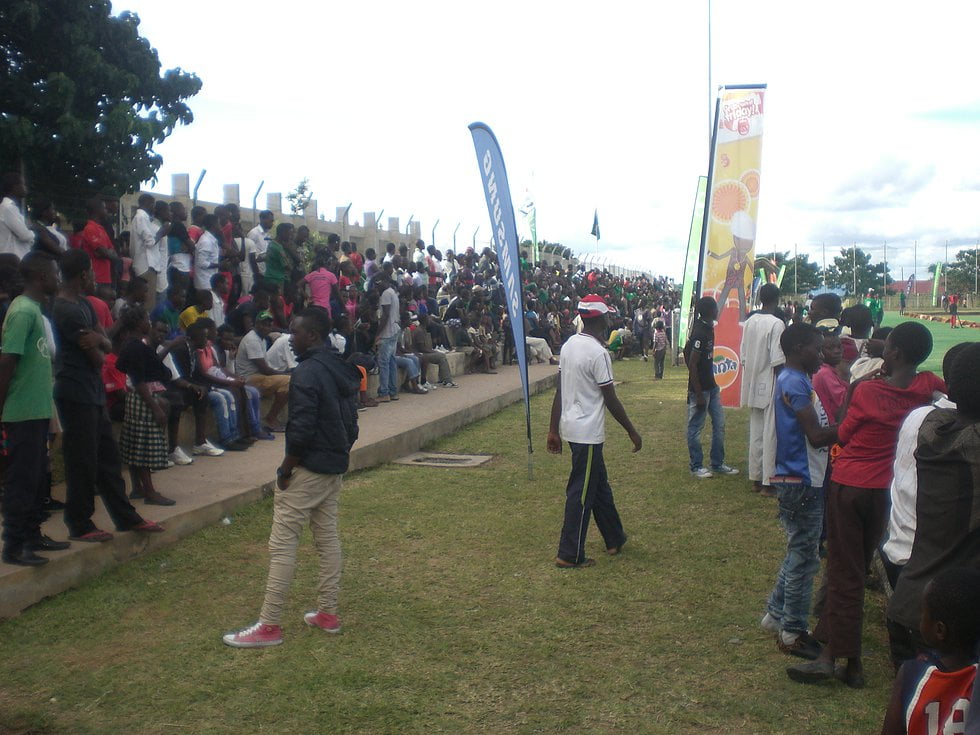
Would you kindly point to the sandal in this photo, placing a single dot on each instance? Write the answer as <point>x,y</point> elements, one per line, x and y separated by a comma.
<point>97,536</point>
<point>148,527</point>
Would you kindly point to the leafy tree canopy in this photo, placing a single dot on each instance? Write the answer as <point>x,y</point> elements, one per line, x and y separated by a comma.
<point>84,100</point>
<point>853,268</point>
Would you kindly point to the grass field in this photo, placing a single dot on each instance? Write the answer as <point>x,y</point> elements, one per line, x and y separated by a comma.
<point>943,338</point>
<point>455,618</point>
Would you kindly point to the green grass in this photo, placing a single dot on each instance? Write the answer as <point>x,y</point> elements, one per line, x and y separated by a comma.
<point>455,619</point>
<point>943,337</point>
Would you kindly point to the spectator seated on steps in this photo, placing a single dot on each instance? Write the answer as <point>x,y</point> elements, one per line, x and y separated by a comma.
<point>252,366</point>
<point>422,345</point>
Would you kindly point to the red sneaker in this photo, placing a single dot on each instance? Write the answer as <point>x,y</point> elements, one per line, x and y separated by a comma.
<point>259,635</point>
<point>323,621</point>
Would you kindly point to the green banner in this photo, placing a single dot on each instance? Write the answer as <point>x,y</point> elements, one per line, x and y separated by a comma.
<point>935,284</point>
<point>691,264</point>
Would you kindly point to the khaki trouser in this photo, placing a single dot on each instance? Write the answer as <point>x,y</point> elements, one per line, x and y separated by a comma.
<point>310,497</point>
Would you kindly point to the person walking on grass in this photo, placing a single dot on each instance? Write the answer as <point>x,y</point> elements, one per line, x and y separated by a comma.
<point>803,434</point>
<point>703,394</point>
<point>578,415</point>
<point>321,429</point>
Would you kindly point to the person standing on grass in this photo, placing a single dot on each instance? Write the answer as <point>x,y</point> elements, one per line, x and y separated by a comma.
<point>25,404</point>
<point>802,437</point>
<point>578,415</point>
<point>659,349</point>
<point>92,461</point>
<point>703,394</point>
<point>857,502</point>
<point>322,429</point>
<point>762,359</point>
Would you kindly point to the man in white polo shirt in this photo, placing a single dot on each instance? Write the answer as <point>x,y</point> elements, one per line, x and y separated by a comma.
<point>578,415</point>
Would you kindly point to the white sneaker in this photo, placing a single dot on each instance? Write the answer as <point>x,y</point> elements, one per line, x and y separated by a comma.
<point>179,456</point>
<point>724,470</point>
<point>702,473</point>
<point>429,386</point>
<point>449,384</point>
<point>207,450</point>
<point>769,624</point>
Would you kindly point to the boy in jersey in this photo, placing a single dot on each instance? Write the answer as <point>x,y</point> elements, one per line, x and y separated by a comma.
<point>578,415</point>
<point>932,693</point>
<point>802,436</point>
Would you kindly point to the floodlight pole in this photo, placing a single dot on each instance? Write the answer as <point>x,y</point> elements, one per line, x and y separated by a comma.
<point>255,201</point>
<point>345,220</point>
<point>198,185</point>
<point>474,237</point>
<point>433,241</point>
<point>454,236</point>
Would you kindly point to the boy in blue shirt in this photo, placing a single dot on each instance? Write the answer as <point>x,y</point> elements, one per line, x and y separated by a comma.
<point>802,436</point>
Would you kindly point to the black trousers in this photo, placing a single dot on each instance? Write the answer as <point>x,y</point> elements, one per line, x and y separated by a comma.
<point>588,494</point>
<point>25,482</point>
<point>92,465</point>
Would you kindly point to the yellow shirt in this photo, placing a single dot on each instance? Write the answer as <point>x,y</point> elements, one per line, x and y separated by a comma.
<point>190,315</point>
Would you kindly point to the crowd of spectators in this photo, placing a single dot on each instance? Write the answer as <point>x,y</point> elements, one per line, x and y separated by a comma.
<point>195,307</point>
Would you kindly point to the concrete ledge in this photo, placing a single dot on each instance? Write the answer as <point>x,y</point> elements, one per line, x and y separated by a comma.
<point>213,488</point>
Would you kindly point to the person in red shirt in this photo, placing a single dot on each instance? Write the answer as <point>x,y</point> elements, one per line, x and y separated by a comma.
<point>96,242</point>
<point>857,501</point>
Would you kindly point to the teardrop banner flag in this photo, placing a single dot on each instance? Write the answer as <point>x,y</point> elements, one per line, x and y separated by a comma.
<point>691,263</point>
<point>734,178</point>
<point>504,229</point>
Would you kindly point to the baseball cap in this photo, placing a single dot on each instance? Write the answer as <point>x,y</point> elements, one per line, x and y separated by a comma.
<point>593,306</point>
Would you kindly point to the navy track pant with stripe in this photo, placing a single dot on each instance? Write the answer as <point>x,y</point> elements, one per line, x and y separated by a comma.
<point>588,493</point>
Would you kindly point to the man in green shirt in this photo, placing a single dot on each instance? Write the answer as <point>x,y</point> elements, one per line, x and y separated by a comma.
<point>26,402</point>
<point>278,264</point>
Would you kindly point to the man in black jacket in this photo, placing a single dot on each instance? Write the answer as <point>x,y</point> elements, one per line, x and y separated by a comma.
<point>321,429</point>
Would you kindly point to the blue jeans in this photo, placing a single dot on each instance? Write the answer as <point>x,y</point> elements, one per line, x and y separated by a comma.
<point>253,405</point>
<point>387,367</point>
<point>695,422</point>
<point>801,516</point>
<point>225,412</point>
<point>410,363</point>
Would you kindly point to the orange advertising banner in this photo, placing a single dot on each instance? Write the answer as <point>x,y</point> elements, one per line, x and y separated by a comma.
<point>731,216</point>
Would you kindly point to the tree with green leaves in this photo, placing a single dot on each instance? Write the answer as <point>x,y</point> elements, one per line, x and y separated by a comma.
<point>801,276</point>
<point>84,100</point>
<point>961,273</point>
<point>854,268</point>
<point>300,197</point>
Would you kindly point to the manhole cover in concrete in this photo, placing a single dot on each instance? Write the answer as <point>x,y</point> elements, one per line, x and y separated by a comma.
<point>437,459</point>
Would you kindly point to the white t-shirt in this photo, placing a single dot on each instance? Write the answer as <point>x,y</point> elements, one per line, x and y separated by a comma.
<point>15,236</point>
<point>905,485</point>
<point>206,257</point>
<point>252,347</point>
<point>760,353</point>
<point>258,243</point>
<point>584,367</point>
<point>217,309</point>
<point>281,356</point>
<point>391,327</point>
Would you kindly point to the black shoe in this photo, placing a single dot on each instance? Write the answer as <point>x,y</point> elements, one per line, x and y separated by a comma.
<point>805,646</point>
<point>236,446</point>
<point>24,558</point>
<point>812,672</point>
<point>46,543</point>
<point>158,499</point>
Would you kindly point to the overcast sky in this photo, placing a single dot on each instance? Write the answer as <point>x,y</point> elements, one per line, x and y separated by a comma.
<point>871,125</point>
